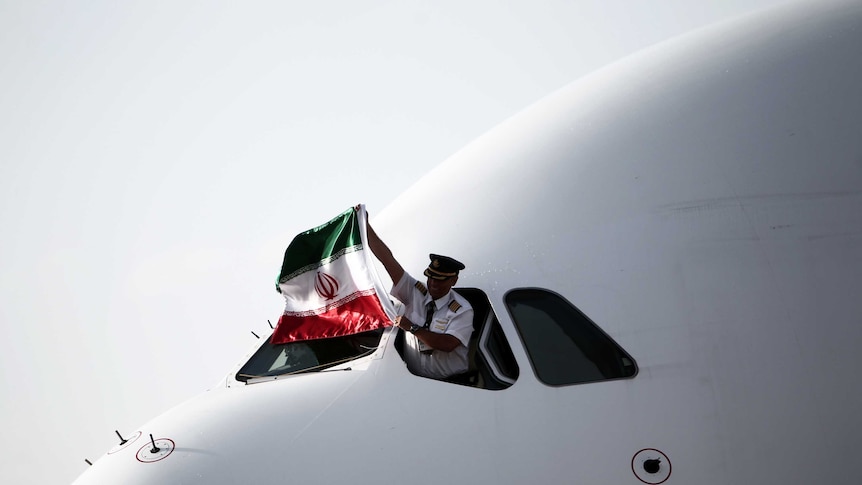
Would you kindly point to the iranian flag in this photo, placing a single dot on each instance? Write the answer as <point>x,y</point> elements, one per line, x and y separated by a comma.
<point>329,283</point>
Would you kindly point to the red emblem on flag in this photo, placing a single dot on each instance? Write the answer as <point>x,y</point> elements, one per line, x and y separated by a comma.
<point>326,286</point>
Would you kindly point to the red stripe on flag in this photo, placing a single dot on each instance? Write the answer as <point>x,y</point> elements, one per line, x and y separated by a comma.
<point>359,315</point>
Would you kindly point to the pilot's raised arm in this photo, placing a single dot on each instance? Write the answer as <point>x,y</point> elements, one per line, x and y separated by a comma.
<point>384,254</point>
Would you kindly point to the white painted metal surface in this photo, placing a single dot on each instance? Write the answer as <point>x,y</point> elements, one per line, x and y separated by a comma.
<point>700,201</point>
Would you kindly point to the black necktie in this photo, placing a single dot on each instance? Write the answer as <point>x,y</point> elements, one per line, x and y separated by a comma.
<point>429,313</point>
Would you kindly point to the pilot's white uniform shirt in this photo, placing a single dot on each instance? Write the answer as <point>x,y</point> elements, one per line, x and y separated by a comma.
<point>448,318</point>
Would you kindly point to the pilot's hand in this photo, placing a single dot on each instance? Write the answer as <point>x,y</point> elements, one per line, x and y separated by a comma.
<point>403,322</point>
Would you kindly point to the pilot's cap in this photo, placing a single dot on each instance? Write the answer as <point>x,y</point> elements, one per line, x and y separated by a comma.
<point>442,267</point>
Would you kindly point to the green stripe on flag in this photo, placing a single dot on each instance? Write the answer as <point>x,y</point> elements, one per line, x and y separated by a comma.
<point>321,245</point>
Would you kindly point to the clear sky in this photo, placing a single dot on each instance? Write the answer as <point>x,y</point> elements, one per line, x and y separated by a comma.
<point>157,156</point>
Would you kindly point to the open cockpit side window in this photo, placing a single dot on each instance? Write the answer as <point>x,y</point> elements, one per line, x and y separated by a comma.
<point>491,362</point>
<point>564,345</point>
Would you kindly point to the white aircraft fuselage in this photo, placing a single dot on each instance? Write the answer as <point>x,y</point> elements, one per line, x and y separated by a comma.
<point>699,202</point>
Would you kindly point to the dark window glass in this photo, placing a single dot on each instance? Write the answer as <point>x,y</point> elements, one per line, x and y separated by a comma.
<point>309,355</point>
<point>498,348</point>
<point>564,346</point>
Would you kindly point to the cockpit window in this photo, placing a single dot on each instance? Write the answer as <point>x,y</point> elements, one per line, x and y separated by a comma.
<point>564,346</point>
<point>490,360</point>
<point>309,355</point>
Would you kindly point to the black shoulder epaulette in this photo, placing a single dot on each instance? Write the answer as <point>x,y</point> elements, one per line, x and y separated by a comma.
<point>421,288</point>
<point>454,306</point>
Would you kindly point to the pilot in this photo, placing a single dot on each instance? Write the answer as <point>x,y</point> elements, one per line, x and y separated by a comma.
<point>438,321</point>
